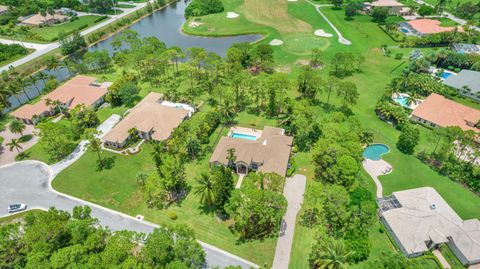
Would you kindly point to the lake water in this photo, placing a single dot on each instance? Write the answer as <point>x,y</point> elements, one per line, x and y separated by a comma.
<point>164,24</point>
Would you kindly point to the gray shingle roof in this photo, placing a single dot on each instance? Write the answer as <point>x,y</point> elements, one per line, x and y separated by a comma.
<point>468,78</point>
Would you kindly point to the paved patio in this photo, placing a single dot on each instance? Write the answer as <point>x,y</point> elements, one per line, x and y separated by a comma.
<point>7,156</point>
<point>375,169</point>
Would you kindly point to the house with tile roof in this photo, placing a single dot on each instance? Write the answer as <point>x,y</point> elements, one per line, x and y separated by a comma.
<point>438,111</point>
<point>422,27</point>
<point>420,220</point>
<point>266,150</point>
<point>80,90</point>
<point>150,118</point>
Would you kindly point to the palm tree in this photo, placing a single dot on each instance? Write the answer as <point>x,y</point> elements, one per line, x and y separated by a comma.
<point>33,79</point>
<point>231,156</point>
<point>17,127</point>
<point>23,84</point>
<point>14,144</point>
<point>42,76</point>
<point>158,150</point>
<point>52,63</point>
<point>332,255</point>
<point>366,137</point>
<point>14,90</point>
<point>51,12</point>
<point>56,104</point>
<point>43,12</point>
<point>205,189</point>
<point>4,94</point>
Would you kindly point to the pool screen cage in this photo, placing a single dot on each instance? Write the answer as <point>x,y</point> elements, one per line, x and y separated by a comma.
<point>388,202</point>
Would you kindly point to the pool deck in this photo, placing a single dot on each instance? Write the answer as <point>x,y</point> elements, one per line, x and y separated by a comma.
<point>246,131</point>
<point>376,169</point>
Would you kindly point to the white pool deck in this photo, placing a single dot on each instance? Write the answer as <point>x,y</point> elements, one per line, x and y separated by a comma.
<point>245,131</point>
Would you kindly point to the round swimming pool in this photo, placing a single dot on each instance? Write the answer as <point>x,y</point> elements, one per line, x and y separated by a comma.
<point>375,151</point>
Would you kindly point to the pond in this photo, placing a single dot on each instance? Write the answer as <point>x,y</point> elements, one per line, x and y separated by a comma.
<point>164,24</point>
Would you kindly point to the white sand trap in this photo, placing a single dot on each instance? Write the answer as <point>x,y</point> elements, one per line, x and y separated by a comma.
<point>292,0</point>
<point>276,42</point>
<point>322,33</point>
<point>194,24</point>
<point>232,15</point>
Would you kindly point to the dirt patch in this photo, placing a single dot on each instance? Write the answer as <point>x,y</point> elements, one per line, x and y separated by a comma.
<point>274,13</point>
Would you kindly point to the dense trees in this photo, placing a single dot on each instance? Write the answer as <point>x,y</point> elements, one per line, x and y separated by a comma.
<point>56,139</point>
<point>408,139</point>
<point>56,239</point>
<point>71,43</point>
<point>203,7</point>
<point>257,208</point>
<point>9,51</point>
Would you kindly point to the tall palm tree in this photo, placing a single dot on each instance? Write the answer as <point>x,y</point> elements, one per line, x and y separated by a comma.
<point>14,144</point>
<point>42,76</point>
<point>204,189</point>
<point>4,94</point>
<point>33,79</point>
<point>158,150</point>
<point>52,63</point>
<point>17,127</point>
<point>332,255</point>
<point>14,90</point>
<point>23,84</point>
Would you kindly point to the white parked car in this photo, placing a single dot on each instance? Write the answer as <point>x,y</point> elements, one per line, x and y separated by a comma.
<point>16,208</point>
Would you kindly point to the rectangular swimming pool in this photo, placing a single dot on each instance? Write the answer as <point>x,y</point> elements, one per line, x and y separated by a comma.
<point>243,136</point>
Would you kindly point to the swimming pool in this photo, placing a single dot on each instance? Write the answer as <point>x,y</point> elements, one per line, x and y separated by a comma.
<point>445,75</point>
<point>375,151</point>
<point>401,100</point>
<point>404,30</point>
<point>243,136</point>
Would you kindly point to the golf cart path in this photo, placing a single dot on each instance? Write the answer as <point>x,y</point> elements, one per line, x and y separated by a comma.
<point>294,190</point>
<point>341,38</point>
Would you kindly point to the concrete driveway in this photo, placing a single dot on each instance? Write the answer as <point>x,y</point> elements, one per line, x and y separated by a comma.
<point>28,182</point>
<point>293,191</point>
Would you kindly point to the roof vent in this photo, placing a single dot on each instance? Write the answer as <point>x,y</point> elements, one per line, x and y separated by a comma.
<point>433,206</point>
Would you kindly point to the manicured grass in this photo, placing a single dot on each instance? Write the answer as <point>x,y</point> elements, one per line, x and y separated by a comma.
<point>125,6</point>
<point>50,33</point>
<point>446,22</point>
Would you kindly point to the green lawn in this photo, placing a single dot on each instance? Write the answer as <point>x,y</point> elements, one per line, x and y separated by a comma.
<point>50,33</point>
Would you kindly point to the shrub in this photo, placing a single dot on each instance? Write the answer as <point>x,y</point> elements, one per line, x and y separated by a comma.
<point>425,10</point>
<point>203,7</point>
<point>172,215</point>
<point>398,56</point>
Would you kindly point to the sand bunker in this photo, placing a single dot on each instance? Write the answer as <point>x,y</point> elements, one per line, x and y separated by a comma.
<point>232,15</point>
<point>194,24</point>
<point>276,42</point>
<point>322,33</point>
<point>292,0</point>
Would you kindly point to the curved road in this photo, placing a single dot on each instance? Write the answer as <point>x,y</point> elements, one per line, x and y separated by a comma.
<point>29,182</point>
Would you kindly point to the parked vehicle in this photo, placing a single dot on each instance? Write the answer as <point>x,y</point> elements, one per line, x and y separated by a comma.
<point>16,208</point>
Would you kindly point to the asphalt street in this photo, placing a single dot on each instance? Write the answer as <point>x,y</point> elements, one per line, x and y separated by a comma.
<point>29,183</point>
